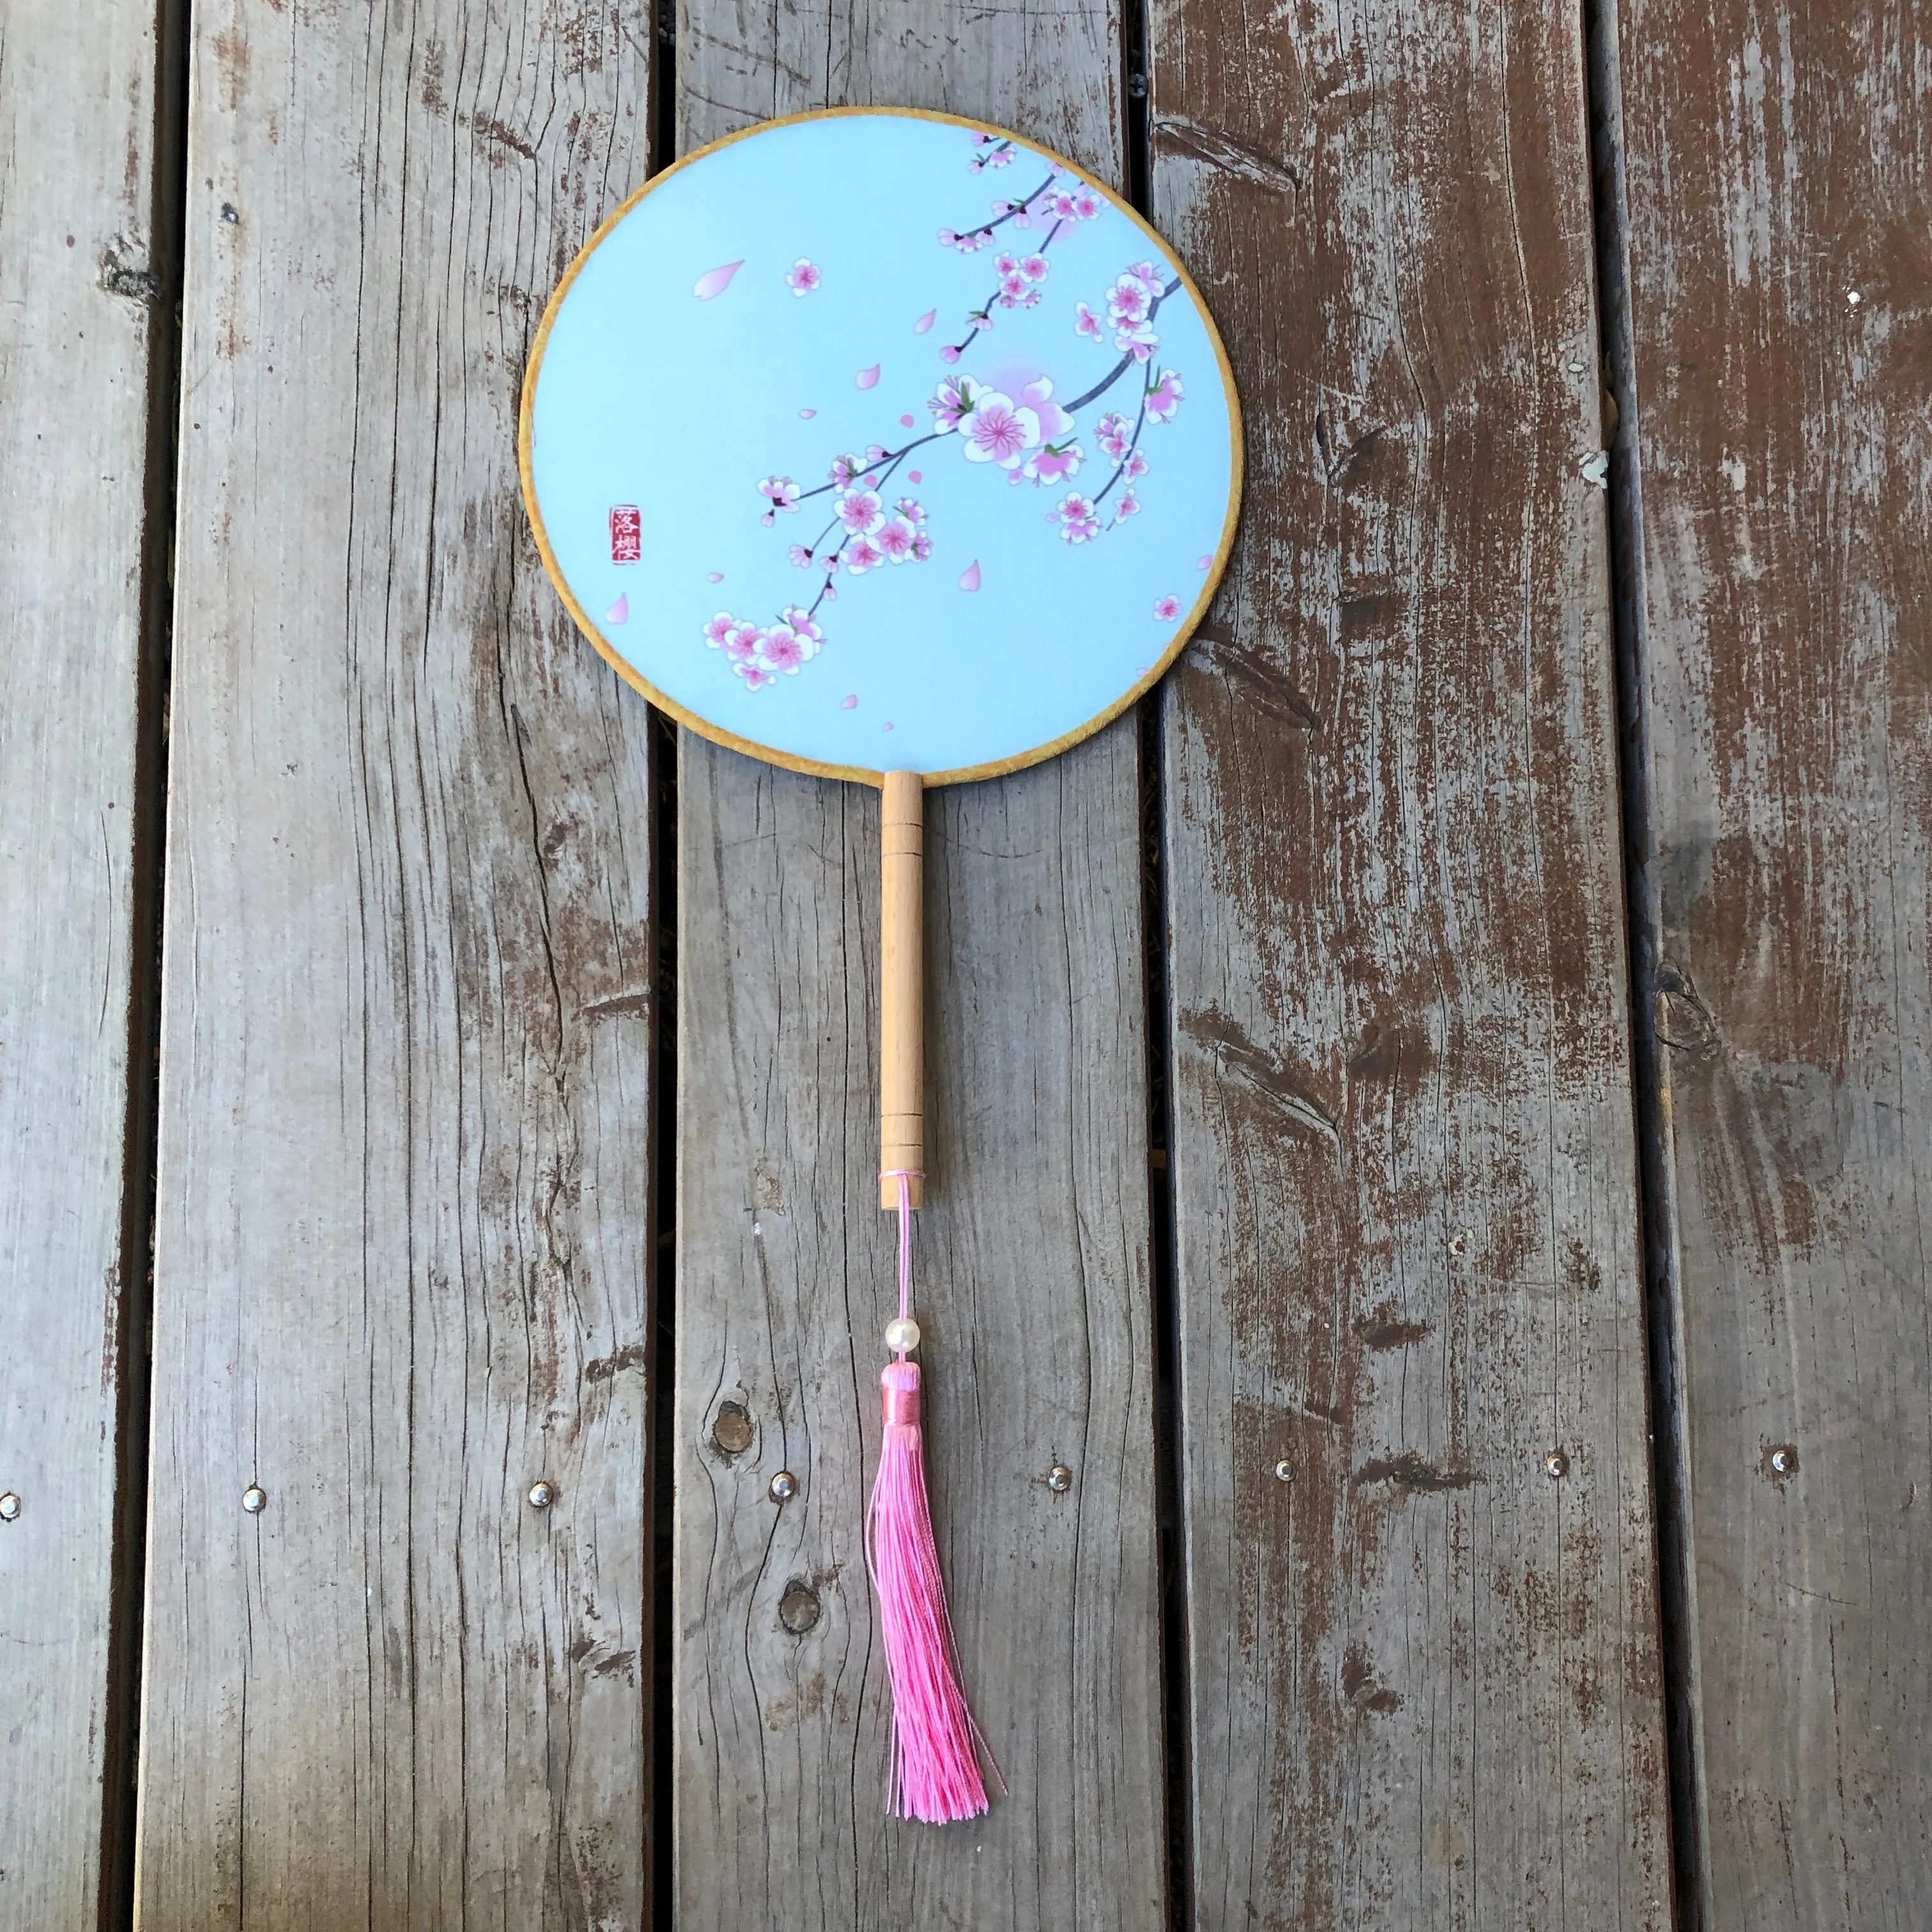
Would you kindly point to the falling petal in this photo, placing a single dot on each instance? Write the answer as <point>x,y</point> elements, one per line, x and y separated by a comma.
<point>905,422</point>
<point>969,577</point>
<point>867,379</point>
<point>1206,563</point>
<point>885,727</point>
<point>808,414</point>
<point>715,281</point>
<point>714,576</point>
<point>912,475</point>
<point>849,703</point>
<point>619,612</point>
<point>924,322</point>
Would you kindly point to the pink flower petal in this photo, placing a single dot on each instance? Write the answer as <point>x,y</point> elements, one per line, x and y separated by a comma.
<point>905,422</point>
<point>924,322</point>
<point>715,281</point>
<point>619,612</point>
<point>867,379</point>
<point>808,414</point>
<point>885,727</point>
<point>1206,563</point>
<point>714,577</point>
<point>969,577</point>
<point>912,475</point>
<point>849,703</point>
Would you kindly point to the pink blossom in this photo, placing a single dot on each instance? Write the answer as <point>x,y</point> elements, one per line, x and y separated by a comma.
<point>947,238</point>
<point>1063,204</point>
<point>922,546</point>
<point>718,629</point>
<point>742,646</point>
<point>1149,275</point>
<point>782,651</point>
<point>1140,341</point>
<point>949,354</point>
<point>803,276</point>
<point>799,556</point>
<point>862,554</point>
<point>1086,204</point>
<point>755,679</point>
<point>845,470</point>
<point>1013,288</point>
<point>1129,505</point>
<point>895,537</point>
<point>1077,520</point>
<point>1000,158</point>
<point>1085,321</point>
<point>1055,424</point>
<point>1164,398</point>
<point>768,518</point>
<point>782,491</point>
<point>1113,434</point>
<point>1167,609</point>
<point>1030,299</point>
<point>912,510</point>
<point>859,511</point>
<point>997,429</point>
<point>952,402</point>
<point>1034,267</point>
<point>1136,464</point>
<point>1055,463</point>
<point>1127,301</point>
<point>801,624</point>
<point>1004,264</point>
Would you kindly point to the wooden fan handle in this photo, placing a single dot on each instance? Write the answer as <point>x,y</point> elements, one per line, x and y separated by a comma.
<point>902,987</point>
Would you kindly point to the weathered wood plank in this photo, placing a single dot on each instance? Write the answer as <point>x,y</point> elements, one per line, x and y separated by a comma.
<point>77,288</point>
<point>1032,1251</point>
<point>407,1003</point>
<point>1780,189</point>
<point>1423,1671</point>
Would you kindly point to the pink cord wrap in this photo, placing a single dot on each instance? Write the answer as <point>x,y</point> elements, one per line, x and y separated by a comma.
<point>936,1745</point>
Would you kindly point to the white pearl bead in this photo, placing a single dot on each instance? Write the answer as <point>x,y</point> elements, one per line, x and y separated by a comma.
<point>902,1333</point>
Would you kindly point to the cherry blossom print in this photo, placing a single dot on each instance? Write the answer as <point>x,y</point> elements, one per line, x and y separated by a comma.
<point>782,652</point>
<point>806,415</point>
<point>798,557</point>
<point>1006,264</point>
<point>1140,341</point>
<point>846,469</point>
<point>925,321</point>
<point>862,554</point>
<point>712,283</point>
<point>714,577</point>
<point>755,679</point>
<point>1014,289</point>
<point>1128,301</point>
<point>1079,521</point>
<point>1166,609</point>
<point>742,643</point>
<point>997,429</point>
<point>895,537</point>
<point>1054,462</point>
<point>911,508</point>
<point>1164,396</point>
<point>782,491</point>
<point>952,403</point>
<point>950,353</point>
<point>860,512</point>
<point>1113,434</point>
<point>619,612</point>
<point>913,476</point>
<point>720,627</point>
<point>1087,204</point>
<point>867,379</point>
<point>1129,505</point>
<point>851,703</point>
<point>969,577</point>
<point>1085,321</point>
<point>800,623</point>
<point>1135,466</point>
<point>803,276</point>
<point>906,422</point>
<point>922,546</point>
<point>1204,562</point>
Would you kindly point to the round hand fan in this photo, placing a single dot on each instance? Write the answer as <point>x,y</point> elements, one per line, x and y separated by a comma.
<point>891,447</point>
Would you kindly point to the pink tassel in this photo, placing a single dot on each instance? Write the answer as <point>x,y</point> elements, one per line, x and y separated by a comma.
<point>935,1771</point>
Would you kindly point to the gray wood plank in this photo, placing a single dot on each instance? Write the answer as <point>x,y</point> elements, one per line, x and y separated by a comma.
<point>1032,1253</point>
<point>1424,1672</point>
<point>405,1145</point>
<point>77,290</point>
<point>1779,176</point>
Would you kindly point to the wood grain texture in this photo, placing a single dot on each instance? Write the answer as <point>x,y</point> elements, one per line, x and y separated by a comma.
<point>407,1004</point>
<point>1031,1263</point>
<point>1781,291</point>
<point>76,289</point>
<point>1423,1670</point>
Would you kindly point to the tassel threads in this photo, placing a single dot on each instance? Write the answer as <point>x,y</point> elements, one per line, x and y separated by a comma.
<point>935,1768</point>
<point>935,1773</point>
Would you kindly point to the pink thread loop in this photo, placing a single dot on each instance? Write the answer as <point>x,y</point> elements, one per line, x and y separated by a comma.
<point>905,1177</point>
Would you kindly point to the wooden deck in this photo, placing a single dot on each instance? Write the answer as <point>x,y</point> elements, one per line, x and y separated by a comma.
<point>1428,1120</point>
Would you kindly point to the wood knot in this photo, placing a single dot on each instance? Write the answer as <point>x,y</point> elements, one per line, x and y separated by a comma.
<point>732,1429</point>
<point>799,1608</point>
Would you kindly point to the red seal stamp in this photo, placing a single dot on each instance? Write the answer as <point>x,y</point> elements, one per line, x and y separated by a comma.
<point>627,533</point>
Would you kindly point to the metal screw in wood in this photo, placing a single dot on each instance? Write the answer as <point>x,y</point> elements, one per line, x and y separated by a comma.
<point>254,1499</point>
<point>785,1487</point>
<point>10,1507</point>
<point>1556,1465</point>
<point>1284,1470</point>
<point>1060,1479</point>
<point>1784,1460</point>
<point>542,1495</point>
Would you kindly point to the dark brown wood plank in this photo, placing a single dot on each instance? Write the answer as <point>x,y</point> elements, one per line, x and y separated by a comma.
<point>1032,1251</point>
<point>1779,183</point>
<point>405,1145</point>
<point>78,290</point>
<point>1424,1670</point>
